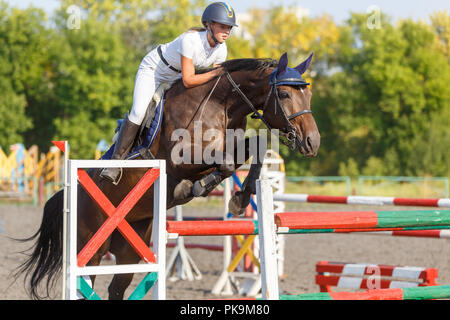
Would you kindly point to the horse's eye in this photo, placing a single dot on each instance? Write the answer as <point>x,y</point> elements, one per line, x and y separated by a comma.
<point>284,95</point>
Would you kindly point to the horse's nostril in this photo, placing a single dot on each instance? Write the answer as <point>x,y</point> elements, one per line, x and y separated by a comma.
<point>309,145</point>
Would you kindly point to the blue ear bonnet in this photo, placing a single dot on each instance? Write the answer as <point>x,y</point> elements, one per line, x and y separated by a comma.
<point>291,77</point>
<point>283,75</point>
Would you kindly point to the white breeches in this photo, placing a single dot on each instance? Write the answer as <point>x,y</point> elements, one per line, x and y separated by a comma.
<point>144,88</point>
<point>151,73</point>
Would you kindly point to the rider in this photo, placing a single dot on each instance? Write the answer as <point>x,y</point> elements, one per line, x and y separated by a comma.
<point>196,48</point>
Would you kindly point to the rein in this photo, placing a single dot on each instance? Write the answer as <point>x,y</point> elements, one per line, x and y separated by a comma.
<point>289,131</point>
<point>248,102</point>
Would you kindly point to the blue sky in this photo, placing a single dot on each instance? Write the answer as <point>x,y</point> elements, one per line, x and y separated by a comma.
<point>416,9</point>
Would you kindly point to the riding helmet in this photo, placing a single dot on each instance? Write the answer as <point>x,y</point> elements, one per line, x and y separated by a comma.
<point>220,12</point>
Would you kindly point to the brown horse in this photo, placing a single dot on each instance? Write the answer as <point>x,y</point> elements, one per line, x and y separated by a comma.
<point>219,105</point>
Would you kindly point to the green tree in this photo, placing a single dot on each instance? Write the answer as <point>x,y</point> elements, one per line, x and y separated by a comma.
<point>94,76</point>
<point>143,24</point>
<point>280,29</point>
<point>380,96</point>
<point>93,83</point>
<point>13,121</point>
<point>382,100</point>
<point>23,77</point>
<point>440,22</point>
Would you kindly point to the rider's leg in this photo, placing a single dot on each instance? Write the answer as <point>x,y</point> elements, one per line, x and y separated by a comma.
<point>144,89</point>
<point>127,134</point>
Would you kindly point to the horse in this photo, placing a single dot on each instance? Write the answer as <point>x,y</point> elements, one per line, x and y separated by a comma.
<point>222,104</point>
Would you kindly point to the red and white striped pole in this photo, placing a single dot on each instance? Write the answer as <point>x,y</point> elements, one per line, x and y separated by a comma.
<point>364,200</point>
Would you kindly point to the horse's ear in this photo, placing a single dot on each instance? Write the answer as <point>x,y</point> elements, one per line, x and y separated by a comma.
<point>302,67</point>
<point>282,64</point>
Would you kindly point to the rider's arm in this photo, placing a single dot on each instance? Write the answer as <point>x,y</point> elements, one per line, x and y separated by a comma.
<point>190,79</point>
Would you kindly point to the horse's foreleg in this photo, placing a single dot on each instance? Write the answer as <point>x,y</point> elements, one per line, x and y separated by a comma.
<point>241,199</point>
<point>178,191</point>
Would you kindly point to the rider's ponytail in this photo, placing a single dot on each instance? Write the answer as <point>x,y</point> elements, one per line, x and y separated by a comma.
<point>196,29</point>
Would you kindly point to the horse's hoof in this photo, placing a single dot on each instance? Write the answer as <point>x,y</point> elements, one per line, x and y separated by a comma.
<point>234,208</point>
<point>183,190</point>
<point>227,168</point>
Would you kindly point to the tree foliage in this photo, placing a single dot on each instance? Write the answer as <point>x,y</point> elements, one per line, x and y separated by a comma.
<point>383,102</point>
<point>381,97</point>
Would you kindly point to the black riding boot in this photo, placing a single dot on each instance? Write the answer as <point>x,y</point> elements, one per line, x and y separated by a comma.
<point>127,134</point>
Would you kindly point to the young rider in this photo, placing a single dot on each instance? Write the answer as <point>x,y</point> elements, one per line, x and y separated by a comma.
<point>196,48</point>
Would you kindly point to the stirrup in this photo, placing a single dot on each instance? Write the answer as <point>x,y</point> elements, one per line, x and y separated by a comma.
<point>114,182</point>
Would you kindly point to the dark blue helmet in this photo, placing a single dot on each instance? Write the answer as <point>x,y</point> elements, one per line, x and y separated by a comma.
<point>283,75</point>
<point>220,12</point>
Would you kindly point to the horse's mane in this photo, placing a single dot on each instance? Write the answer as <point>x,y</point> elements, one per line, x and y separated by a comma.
<point>244,65</point>
<point>249,64</point>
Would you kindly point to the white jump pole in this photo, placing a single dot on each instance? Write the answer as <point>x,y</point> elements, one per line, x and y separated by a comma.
<point>159,231</point>
<point>223,284</point>
<point>267,241</point>
<point>65,217</point>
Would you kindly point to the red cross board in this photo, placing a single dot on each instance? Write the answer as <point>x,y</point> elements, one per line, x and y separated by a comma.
<point>116,217</point>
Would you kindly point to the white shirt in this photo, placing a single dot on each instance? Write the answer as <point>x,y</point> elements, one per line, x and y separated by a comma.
<point>191,44</point>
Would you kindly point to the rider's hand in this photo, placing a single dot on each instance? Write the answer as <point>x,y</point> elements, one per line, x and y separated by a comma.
<point>218,71</point>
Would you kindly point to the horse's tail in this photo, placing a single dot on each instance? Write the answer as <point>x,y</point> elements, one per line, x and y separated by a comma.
<point>46,257</point>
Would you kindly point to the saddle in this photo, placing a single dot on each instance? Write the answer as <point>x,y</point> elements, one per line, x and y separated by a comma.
<point>149,128</point>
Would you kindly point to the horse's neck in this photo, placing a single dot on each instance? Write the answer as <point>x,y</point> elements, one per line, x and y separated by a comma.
<point>255,89</point>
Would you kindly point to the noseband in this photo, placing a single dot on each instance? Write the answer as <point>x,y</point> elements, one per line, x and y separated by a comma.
<point>289,130</point>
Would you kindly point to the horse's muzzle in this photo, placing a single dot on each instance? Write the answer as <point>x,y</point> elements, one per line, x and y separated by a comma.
<point>309,145</point>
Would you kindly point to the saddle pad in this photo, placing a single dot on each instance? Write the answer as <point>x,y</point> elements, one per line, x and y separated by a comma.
<point>150,134</point>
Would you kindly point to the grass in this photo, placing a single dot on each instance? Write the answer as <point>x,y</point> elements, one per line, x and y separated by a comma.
<point>434,189</point>
<point>328,188</point>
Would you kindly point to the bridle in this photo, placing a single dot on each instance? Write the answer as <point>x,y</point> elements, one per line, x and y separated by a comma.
<point>289,131</point>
